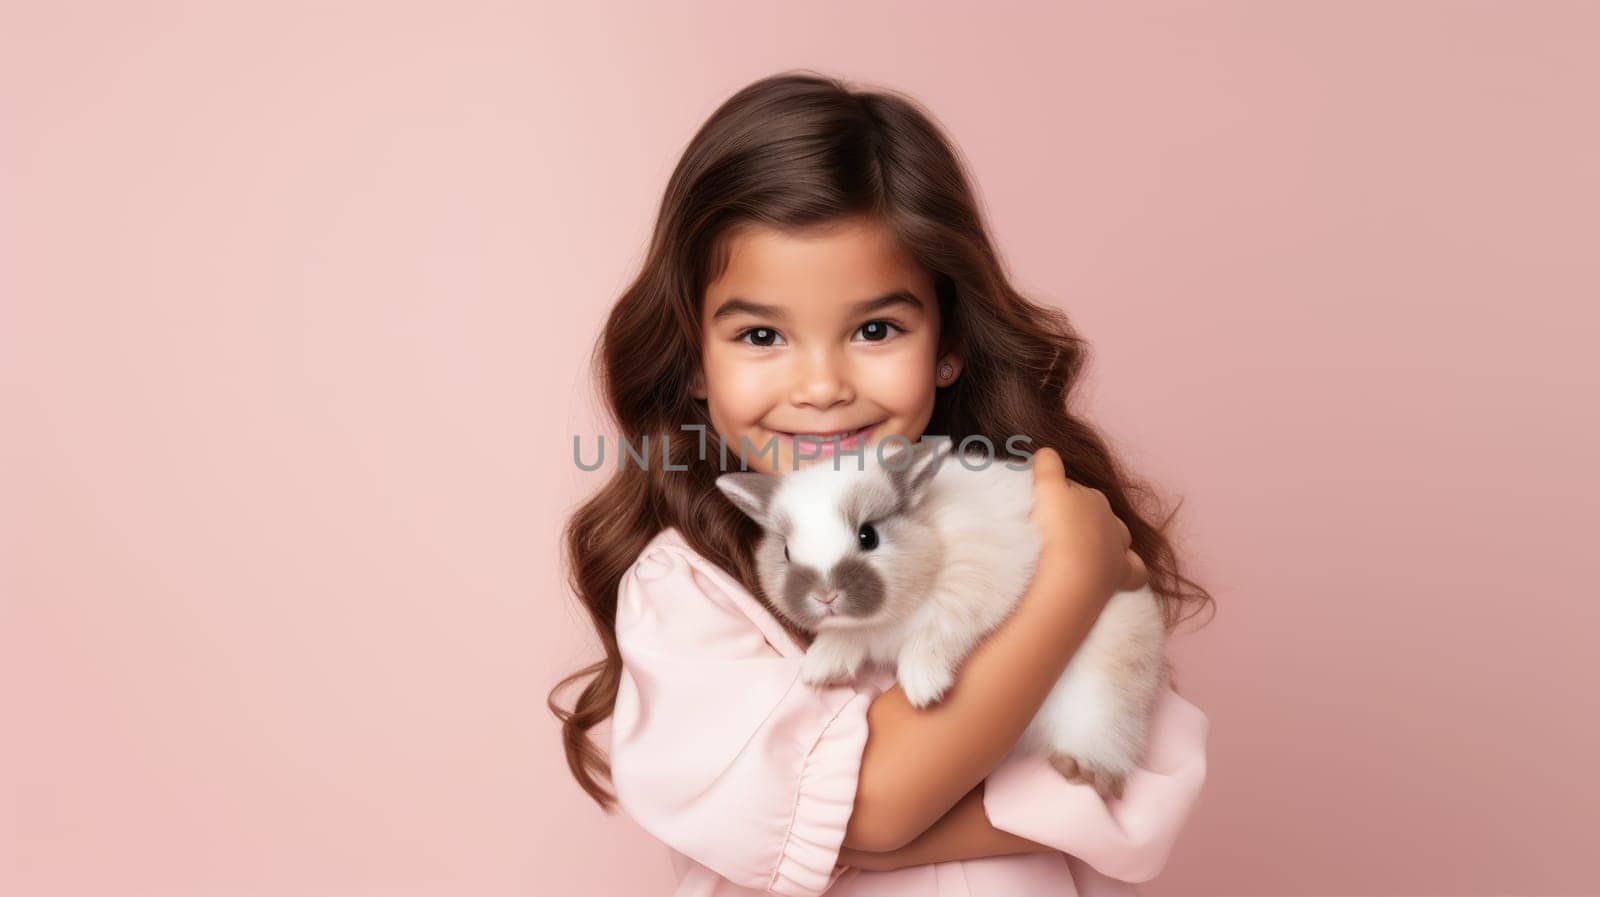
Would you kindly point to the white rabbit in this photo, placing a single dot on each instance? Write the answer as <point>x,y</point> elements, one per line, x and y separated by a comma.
<point>912,562</point>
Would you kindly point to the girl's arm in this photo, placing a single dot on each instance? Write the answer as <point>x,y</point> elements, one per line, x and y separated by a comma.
<point>964,833</point>
<point>1029,801</point>
<point>918,764</point>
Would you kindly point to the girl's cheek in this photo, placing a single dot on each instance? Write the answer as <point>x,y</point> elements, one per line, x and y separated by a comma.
<point>901,381</point>
<point>742,392</point>
<point>751,392</point>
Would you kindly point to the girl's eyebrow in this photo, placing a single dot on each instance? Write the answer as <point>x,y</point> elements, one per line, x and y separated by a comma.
<point>738,305</point>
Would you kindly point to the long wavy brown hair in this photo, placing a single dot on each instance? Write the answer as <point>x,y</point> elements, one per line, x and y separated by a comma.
<point>792,151</point>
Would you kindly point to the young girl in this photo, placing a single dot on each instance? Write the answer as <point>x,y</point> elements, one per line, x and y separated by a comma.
<point>820,267</point>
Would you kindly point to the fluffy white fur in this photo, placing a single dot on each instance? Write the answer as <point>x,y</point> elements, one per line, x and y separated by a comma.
<point>954,558</point>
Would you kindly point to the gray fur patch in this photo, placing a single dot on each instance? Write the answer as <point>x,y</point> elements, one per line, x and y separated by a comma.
<point>801,579</point>
<point>872,499</point>
<point>861,584</point>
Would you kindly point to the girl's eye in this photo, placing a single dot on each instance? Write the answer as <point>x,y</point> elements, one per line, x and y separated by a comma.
<point>761,334</point>
<point>867,536</point>
<point>766,337</point>
<point>878,331</point>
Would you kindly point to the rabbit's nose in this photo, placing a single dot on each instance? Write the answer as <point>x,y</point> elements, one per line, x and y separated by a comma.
<point>827,596</point>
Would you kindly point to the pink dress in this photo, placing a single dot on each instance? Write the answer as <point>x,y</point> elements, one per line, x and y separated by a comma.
<point>748,775</point>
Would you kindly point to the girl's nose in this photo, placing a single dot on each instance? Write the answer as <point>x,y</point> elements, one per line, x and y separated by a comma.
<point>822,384</point>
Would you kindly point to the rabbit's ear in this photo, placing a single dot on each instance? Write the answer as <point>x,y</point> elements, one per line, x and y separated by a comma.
<point>751,491</point>
<point>912,479</point>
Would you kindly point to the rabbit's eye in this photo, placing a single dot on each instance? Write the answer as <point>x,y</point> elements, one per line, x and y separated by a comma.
<point>786,551</point>
<point>867,536</point>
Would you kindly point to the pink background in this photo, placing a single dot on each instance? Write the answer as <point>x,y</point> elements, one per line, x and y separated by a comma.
<point>297,297</point>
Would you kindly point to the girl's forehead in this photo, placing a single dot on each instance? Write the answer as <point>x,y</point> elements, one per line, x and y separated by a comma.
<point>860,244</point>
<point>806,273</point>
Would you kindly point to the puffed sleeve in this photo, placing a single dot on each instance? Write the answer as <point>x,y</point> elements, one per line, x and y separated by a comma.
<point>1129,838</point>
<point>717,748</point>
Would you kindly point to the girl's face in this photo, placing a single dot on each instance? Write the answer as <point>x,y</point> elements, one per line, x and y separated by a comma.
<point>830,331</point>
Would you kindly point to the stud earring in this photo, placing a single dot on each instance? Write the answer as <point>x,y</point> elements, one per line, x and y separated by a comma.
<point>946,371</point>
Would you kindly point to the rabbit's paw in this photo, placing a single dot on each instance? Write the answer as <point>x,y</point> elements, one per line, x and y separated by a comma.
<point>829,662</point>
<point>1108,783</point>
<point>923,681</point>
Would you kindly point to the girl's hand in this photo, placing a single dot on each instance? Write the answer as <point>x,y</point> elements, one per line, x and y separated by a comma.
<point>1083,540</point>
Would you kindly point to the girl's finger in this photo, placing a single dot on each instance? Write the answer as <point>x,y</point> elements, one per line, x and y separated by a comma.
<point>1046,463</point>
<point>1138,573</point>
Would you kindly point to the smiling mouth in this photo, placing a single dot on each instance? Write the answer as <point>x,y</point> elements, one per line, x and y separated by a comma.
<point>841,434</point>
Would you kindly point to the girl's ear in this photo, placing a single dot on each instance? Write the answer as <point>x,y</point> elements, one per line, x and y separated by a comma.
<point>751,492</point>
<point>697,384</point>
<point>952,363</point>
